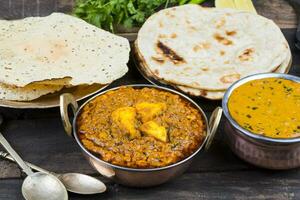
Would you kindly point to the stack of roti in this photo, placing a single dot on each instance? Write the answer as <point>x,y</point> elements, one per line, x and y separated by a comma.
<point>202,51</point>
<point>42,55</point>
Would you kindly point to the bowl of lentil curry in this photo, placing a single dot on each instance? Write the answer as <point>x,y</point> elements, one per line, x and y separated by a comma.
<point>139,135</point>
<point>263,121</point>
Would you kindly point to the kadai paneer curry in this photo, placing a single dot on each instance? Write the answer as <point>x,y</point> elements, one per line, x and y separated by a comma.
<point>268,107</point>
<point>141,128</point>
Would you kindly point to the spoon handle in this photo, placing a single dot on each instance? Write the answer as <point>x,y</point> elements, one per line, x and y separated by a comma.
<point>14,154</point>
<point>32,166</point>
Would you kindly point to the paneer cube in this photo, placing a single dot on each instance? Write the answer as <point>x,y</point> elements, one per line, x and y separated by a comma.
<point>125,118</point>
<point>153,129</point>
<point>148,111</point>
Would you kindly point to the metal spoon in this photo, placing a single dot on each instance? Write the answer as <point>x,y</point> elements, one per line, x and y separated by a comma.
<point>39,185</point>
<point>74,182</point>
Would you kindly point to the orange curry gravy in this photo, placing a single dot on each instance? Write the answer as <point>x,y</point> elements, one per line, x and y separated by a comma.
<point>141,128</point>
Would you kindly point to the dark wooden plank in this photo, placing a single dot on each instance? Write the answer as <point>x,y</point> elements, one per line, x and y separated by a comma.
<point>11,189</point>
<point>44,142</point>
<point>9,169</point>
<point>38,136</point>
<point>278,10</point>
<point>16,9</point>
<point>240,185</point>
<point>65,5</point>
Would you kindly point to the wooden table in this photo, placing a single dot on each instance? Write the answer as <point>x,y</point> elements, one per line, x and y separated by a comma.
<point>39,137</point>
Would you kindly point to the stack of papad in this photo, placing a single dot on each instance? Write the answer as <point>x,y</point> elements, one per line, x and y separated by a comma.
<point>41,55</point>
<point>202,51</point>
<point>27,93</point>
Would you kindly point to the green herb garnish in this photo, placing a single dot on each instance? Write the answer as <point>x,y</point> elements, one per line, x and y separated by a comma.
<point>108,14</point>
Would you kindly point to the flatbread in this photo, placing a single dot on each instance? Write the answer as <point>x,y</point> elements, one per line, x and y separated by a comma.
<point>60,81</point>
<point>60,46</point>
<point>208,94</point>
<point>212,95</point>
<point>286,65</point>
<point>209,48</point>
<point>217,95</point>
<point>27,93</point>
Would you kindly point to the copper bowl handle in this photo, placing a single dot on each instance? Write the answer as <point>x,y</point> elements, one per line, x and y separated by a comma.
<point>67,100</point>
<point>213,124</point>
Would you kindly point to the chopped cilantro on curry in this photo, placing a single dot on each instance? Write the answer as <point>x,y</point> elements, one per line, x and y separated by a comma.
<point>269,107</point>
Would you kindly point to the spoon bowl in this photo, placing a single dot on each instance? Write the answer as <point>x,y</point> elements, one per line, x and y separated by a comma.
<point>81,183</point>
<point>39,185</point>
<point>74,182</point>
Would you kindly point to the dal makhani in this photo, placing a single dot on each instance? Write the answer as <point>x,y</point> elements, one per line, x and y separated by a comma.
<point>268,107</point>
<point>141,128</point>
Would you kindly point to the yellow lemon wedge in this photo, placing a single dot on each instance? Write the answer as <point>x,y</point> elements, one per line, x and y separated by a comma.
<point>225,4</point>
<point>245,5</point>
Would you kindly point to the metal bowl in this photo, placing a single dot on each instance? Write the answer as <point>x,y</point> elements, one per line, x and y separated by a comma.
<point>132,176</point>
<point>266,152</point>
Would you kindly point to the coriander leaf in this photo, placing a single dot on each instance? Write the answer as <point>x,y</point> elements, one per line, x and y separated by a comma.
<point>128,23</point>
<point>131,8</point>
<point>129,13</point>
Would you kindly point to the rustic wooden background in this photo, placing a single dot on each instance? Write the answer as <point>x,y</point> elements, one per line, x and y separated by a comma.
<point>217,174</point>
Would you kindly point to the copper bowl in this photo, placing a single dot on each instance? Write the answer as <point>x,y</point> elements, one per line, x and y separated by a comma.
<point>132,176</point>
<point>266,152</point>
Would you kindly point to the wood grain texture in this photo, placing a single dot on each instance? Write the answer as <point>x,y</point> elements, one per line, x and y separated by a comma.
<point>16,9</point>
<point>278,10</point>
<point>216,174</point>
<point>258,185</point>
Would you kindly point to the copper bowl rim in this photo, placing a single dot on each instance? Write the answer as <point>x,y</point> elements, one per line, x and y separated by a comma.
<point>75,133</point>
<point>245,132</point>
